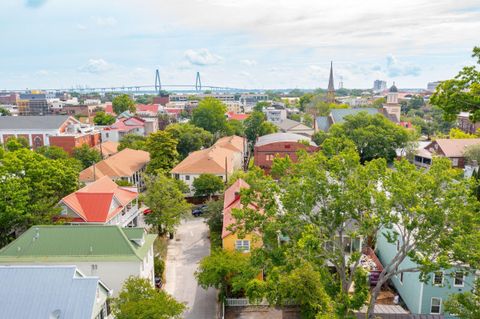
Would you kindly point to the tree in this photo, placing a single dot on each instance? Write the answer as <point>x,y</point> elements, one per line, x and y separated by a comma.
<point>102,118</point>
<point>472,153</point>
<point>210,115</point>
<point>256,126</point>
<point>123,103</point>
<point>164,120</point>
<point>138,299</point>
<point>4,112</point>
<point>165,198</point>
<point>225,270</point>
<point>465,305</point>
<point>144,99</point>
<point>31,187</point>
<point>304,101</point>
<point>214,219</point>
<point>16,143</point>
<point>462,93</point>
<point>374,135</point>
<point>190,137</point>
<point>235,127</point>
<point>458,133</point>
<point>163,151</point>
<point>133,141</point>
<point>260,106</point>
<point>378,103</point>
<point>319,137</point>
<point>325,201</point>
<point>86,155</point>
<point>207,185</point>
<point>52,152</point>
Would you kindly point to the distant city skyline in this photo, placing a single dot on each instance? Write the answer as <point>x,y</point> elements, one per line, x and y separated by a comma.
<point>235,43</point>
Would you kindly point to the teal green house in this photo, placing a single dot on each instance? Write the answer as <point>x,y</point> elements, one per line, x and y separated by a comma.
<point>424,298</point>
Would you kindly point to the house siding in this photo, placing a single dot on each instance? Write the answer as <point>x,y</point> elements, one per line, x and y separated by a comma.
<point>416,297</point>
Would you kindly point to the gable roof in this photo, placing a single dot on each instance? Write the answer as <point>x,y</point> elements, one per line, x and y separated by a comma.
<point>212,160</point>
<point>323,123</point>
<point>237,116</point>
<point>39,291</point>
<point>454,147</point>
<point>231,201</point>
<point>282,137</point>
<point>93,202</point>
<point>45,122</point>
<point>123,164</point>
<point>127,124</point>
<point>65,243</point>
<point>289,124</point>
<point>338,115</point>
<point>108,148</point>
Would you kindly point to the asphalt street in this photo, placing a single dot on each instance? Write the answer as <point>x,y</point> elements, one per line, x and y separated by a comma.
<point>184,253</point>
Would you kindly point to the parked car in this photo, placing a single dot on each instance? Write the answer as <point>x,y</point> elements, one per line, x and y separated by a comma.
<point>198,211</point>
<point>147,211</point>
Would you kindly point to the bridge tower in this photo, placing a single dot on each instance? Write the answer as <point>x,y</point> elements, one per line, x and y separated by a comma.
<point>158,83</point>
<point>198,83</point>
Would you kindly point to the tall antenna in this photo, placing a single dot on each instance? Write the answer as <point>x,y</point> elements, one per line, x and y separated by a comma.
<point>158,83</point>
<point>198,83</point>
<point>340,84</point>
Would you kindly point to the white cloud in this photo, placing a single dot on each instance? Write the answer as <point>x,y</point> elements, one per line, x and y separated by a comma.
<point>248,62</point>
<point>202,57</point>
<point>96,66</point>
<point>245,74</point>
<point>105,21</point>
<point>81,27</point>
<point>395,68</point>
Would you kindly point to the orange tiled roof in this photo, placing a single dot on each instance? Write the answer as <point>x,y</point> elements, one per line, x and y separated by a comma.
<point>108,148</point>
<point>212,160</point>
<point>92,203</point>
<point>123,164</point>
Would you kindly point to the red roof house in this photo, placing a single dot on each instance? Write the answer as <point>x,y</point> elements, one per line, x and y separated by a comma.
<point>102,202</point>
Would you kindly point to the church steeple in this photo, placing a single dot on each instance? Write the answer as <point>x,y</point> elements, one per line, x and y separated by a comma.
<point>331,88</point>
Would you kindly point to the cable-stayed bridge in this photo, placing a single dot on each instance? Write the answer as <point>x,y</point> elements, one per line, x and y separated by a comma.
<point>155,88</point>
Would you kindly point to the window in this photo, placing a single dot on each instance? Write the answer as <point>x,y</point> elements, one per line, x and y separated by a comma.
<point>187,177</point>
<point>454,162</point>
<point>435,306</point>
<point>242,245</point>
<point>269,157</point>
<point>458,281</point>
<point>400,277</point>
<point>438,278</point>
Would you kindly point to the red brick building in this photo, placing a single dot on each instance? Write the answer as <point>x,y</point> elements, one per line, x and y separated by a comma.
<point>58,130</point>
<point>280,144</point>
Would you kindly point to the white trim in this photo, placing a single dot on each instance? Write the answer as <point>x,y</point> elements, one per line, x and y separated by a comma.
<point>420,301</point>
<point>440,306</point>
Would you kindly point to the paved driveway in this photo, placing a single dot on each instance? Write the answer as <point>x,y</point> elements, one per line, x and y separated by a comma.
<point>184,253</point>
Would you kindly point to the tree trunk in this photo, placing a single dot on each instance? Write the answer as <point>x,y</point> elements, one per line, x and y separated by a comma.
<point>375,293</point>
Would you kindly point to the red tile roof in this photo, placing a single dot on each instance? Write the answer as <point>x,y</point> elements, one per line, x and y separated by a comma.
<point>153,108</point>
<point>237,116</point>
<point>231,201</point>
<point>93,202</point>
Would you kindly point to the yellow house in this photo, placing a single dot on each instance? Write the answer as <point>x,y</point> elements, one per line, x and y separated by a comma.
<point>230,240</point>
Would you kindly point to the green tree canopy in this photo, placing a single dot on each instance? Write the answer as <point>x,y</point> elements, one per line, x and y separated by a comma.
<point>207,185</point>
<point>86,155</point>
<point>133,141</point>
<point>374,135</point>
<point>16,143</point>
<point>472,153</point>
<point>52,152</point>
<point>260,106</point>
<point>163,151</point>
<point>235,127</point>
<point>462,93</point>
<point>210,115</point>
<point>102,118</point>
<point>190,137</point>
<point>138,299</point>
<point>31,187</point>
<point>4,112</point>
<point>166,200</point>
<point>465,305</point>
<point>123,103</point>
<point>256,126</point>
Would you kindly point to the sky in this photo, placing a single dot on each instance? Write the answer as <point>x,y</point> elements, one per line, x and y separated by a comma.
<point>261,44</point>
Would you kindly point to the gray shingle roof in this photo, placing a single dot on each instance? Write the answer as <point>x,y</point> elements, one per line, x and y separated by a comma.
<point>39,291</point>
<point>339,114</point>
<point>322,123</point>
<point>287,124</point>
<point>49,122</point>
<point>282,137</point>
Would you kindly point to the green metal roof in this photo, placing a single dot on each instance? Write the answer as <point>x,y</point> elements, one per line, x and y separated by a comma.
<point>77,243</point>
